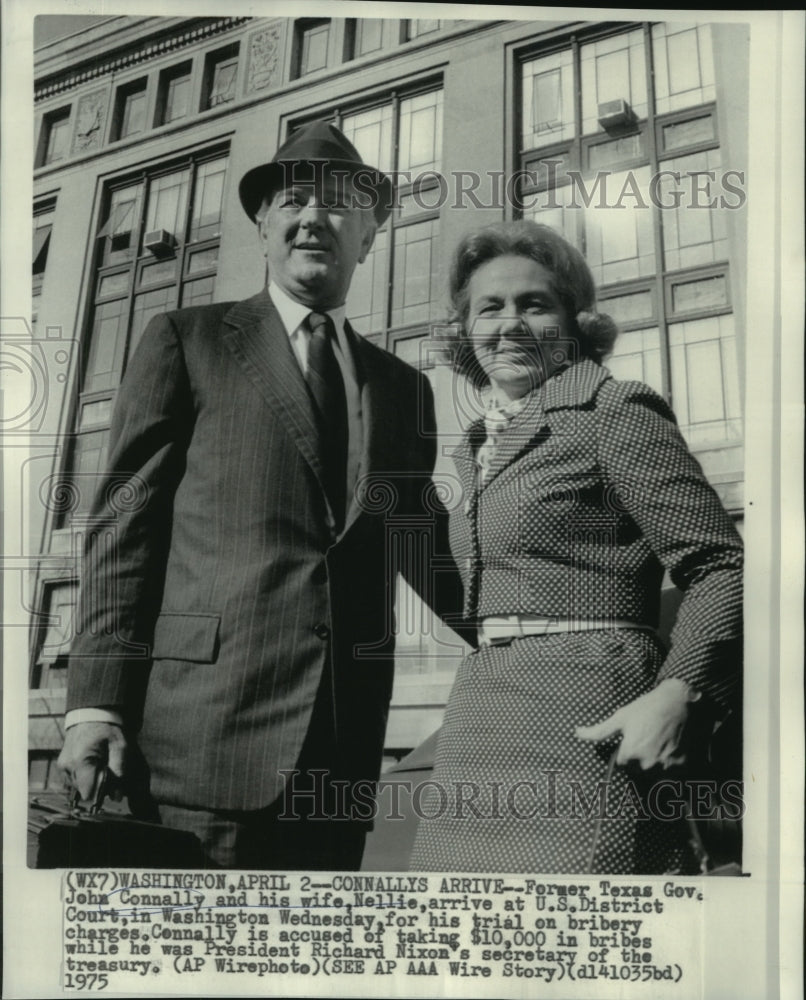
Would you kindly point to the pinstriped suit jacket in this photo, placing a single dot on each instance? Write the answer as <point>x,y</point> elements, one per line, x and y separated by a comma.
<point>216,588</point>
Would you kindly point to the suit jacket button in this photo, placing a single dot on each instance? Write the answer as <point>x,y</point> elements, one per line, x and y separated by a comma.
<point>321,631</point>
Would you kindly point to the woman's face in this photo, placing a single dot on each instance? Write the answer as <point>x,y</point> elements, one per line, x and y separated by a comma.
<point>515,320</point>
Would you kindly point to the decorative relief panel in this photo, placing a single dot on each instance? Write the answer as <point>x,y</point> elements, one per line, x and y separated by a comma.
<point>265,58</point>
<point>90,121</point>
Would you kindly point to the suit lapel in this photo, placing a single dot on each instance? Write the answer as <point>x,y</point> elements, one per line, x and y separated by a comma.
<point>519,436</point>
<point>377,408</point>
<point>574,387</point>
<point>257,338</point>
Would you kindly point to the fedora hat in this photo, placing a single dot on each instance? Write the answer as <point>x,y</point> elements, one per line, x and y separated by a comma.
<point>318,143</point>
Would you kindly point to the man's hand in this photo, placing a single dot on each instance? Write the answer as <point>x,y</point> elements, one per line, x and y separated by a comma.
<point>650,726</point>
<point>89,749</point>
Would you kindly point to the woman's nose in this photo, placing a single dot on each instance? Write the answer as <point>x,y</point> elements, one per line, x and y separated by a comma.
<point>510,327</point>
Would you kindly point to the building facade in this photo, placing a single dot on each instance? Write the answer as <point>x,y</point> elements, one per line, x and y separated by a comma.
<point>628,137</point>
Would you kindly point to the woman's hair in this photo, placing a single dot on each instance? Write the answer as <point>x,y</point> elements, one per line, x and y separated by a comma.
<point>594,332</point>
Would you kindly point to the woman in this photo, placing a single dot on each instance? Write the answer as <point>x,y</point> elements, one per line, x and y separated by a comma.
<point>579,492</point>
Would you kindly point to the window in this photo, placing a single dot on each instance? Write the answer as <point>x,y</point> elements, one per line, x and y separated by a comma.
<point>368,36</point>
<point>312,39</point>
<point>174,94</point>
<point>130,109</point>
<point>55,635</point>
<point>220,77</point>
<point>55,136</point>
<point>620,152</point>
<point>417,27</point>
<point>43,225</point>
<point>157,249</point>
<point>398,285</point>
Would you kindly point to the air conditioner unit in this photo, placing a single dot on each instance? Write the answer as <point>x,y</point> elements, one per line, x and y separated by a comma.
<point>611,114</point>
<point>159,242</point>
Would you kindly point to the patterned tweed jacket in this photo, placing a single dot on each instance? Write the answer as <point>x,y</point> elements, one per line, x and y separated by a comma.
<point>592,493</point>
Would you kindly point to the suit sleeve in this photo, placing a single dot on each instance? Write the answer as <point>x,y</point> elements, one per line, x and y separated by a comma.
<point>658,481</point>
<point>129,530</point>
<point>434,575</point>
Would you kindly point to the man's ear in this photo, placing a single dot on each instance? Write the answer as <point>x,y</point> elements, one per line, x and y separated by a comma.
<point>370,228</point>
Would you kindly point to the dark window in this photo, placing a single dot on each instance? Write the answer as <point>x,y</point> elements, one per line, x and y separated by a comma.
<point>174,94</point>
<point>56,137</point>
<point>220,77</point>
<point>130,110</point>
<point>312,39</point>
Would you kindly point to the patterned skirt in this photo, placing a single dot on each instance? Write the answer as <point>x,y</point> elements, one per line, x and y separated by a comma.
<point>514,790</point>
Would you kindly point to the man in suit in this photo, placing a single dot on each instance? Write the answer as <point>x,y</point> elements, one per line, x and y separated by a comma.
<point>239,623</point>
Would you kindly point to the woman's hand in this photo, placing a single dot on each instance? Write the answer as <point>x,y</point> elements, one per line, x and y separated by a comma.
<point>650,726</point>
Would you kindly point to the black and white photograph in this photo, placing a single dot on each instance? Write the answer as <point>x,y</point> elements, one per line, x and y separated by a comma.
<point>402,500</point>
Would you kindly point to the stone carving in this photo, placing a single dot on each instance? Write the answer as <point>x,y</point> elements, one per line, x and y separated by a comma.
<point>265,51</point>
<point>90,119</point>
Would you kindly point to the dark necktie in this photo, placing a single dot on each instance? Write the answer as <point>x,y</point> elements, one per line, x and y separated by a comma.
<point>327,388</point>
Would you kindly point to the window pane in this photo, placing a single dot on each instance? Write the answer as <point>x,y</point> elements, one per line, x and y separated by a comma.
<point>313,50</point>
<point>134,114</point>
<point>613,69</point>
<point>177,98</point>
<point>58,138</point>
<point>679,134</point>
<point>684,69</point>
<point>371,134</point>
<point>548,100</point>
<point>113,284</point>
<point>106,346</point>
<point>368,35</point>
<point>59,631</point>
<point>43,225</point>
<point>198,293</point>
<point>702,293</point>
<point>223,88</point>
<point>414,281</point>
<point>98,413</point>
<point>366,300</point>
<point>89,460</point>
<point>207,199</point>
<point>620,242</point>
<point>636,356</point>
<point>155,274</point>
<point>705,386</point>
<point>167,204</point>
<point>693,232</point>
<point>203,260</point>
<point>629,307</point>
<point>606,154</point>
<point>421,132</point>
<point>552,208</point>
<point>121,224</point>
<point>422,26</point>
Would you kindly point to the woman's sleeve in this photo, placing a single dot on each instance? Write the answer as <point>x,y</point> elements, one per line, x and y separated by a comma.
<point>655,477</point>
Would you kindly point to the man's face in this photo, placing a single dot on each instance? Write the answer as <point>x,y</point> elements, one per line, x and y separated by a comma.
<point>313,235</point>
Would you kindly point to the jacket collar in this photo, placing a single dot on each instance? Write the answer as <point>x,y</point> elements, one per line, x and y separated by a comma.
<point>573,388</point>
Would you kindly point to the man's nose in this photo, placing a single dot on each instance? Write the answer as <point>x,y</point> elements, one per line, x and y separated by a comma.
<point>313,212</point>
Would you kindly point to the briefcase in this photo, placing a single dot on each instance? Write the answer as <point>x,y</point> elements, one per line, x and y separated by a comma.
<point>69,836</point>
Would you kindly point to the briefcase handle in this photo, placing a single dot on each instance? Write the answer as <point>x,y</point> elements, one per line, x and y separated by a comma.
<point>96,805</point>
